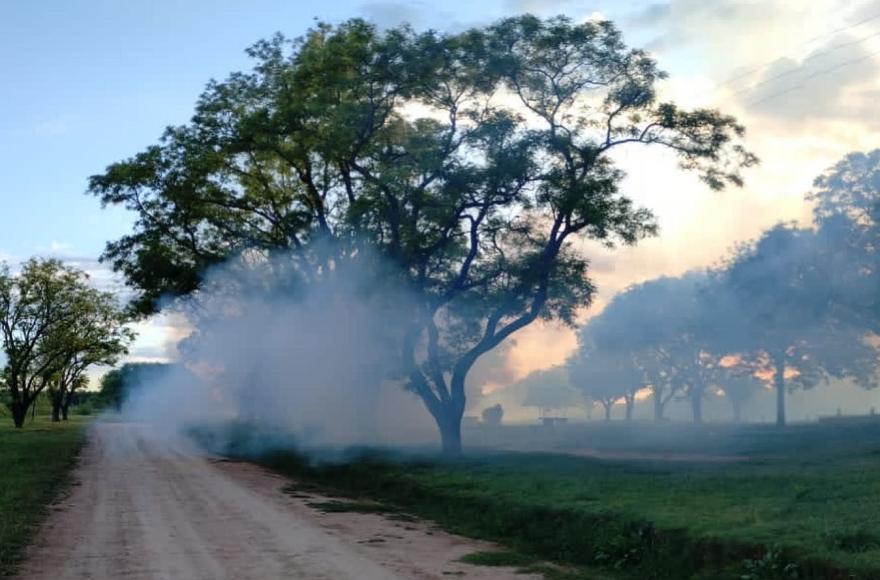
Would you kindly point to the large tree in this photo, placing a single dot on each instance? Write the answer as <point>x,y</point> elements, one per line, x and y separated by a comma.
<point>470,161</point>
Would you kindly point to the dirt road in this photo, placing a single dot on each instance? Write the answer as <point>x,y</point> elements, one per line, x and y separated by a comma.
<point>146,508</point>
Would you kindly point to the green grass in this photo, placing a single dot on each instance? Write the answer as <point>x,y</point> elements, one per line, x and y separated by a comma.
<point>806,503</point>
<point>335,506</point>
<point>525,564</point>
<point>498,558</point>
<point>35,463</point>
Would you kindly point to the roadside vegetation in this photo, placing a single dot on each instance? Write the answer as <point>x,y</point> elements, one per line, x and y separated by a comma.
<point>802,505</point>
<point>35,466</point>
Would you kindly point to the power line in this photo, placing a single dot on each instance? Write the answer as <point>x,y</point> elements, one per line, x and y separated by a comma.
<point>813,56</point>
<point>812,76</point>
<point>844,28</point>
<point>767,64</point>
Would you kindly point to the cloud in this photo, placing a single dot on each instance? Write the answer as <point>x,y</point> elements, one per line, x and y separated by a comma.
<point>391,14</point>
<point>53,127</point>
<point>682,21</point>
<point>651,15</point>
<point>60,247</point>
<point>866,13</point>
<point>538,6</point>
<point>158,338</point>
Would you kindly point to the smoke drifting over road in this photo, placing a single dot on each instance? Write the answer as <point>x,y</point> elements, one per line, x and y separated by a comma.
<point>305,347</point>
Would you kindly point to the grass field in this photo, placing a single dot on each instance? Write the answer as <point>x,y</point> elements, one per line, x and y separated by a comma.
<point>34,466</point>
<point>797,503</point>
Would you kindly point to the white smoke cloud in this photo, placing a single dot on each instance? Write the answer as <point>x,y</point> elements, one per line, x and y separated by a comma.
<point>316,359</point>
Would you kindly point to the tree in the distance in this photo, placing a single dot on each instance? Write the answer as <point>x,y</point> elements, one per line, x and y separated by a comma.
<point>605,377</point>
<point>659,328</point>
<point>470,161</point>
<point>548,390</point>
<point>38,307</point>
<point>493,415</point>
<point>739,388</point>
<point>96,336</point>
<point>776,294</point>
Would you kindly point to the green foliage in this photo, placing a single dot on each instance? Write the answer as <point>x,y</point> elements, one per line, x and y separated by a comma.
<point>360,507</point>
<point>498,558</point>
<point>771,566</point>
<point>36,462</point>
<point>783,292</point>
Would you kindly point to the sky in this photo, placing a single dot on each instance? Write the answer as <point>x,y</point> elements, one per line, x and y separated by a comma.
<point>86,83</point>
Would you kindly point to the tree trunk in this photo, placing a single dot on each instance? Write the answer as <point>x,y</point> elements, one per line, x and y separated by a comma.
<point>607,410</point>
<point>697,406</point>
<point>779,385</point>
<point>66,402</point>
<point>56,400</point>
<point>19,413</point>
<point>737,412</point>
<point>658,405</point>
<point>450,433</point>
<point>630,403</point>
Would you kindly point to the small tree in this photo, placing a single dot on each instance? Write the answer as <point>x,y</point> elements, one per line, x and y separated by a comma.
<point>37,307</point>
<point>605,378</point>
<point>493,415</point>
<point>547,389</point>
<point>96,336</point>
<point>739,388</point>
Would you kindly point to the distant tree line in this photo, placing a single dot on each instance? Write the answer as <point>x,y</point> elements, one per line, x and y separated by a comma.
<point>794,308</point>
